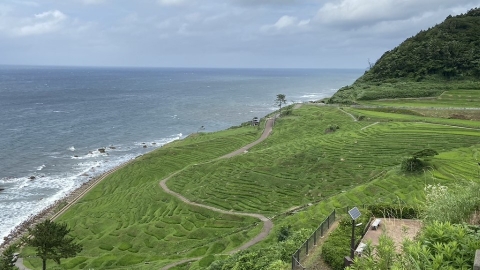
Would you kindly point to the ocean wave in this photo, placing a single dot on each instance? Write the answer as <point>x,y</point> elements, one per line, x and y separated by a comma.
<point>71,148</point>
<point>39,168</point>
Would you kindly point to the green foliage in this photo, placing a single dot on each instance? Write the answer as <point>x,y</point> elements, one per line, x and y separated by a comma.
<point>451,204</point>
<point>439,246</point>
<point>273,257</point>
<point>287,111</point>
<point>284,233</point>
<point>332,128</point>
<point>337,245</point>
<point>425,153</point>
<point>280,100</point>
<point>394,211</point>
<point>412,164</point>
<point>442,246</point>
<point>380,257</point>
<point>6,258</point>
<point>448,52</point>
<point>51,241</point>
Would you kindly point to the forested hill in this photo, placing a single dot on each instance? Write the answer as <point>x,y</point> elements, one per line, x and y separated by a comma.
<point>448,51</point>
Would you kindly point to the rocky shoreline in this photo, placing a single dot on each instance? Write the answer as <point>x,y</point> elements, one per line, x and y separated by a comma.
<point>16,234</point>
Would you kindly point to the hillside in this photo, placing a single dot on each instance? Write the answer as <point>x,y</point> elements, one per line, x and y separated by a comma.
<point>129,222</point>
<point>421,65</point>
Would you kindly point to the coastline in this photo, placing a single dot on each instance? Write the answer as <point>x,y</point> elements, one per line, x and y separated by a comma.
<point>54,210</point>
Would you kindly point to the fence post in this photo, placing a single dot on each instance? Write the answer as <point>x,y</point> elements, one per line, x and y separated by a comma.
<point>306,247</point>
<point>321,229</point>
<point>293,262</point>
<point>298,257</point>
<point>334,214</point>
<point>328,223</point>
<point>315,238</point>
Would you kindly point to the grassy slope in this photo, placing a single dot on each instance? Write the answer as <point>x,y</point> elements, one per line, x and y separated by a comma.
<point>128,219</point>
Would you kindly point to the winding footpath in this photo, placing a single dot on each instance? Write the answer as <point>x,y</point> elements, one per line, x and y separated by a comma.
<point>267,223</point>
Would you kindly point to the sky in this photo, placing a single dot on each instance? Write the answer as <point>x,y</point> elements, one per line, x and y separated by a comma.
<point>213,33</point>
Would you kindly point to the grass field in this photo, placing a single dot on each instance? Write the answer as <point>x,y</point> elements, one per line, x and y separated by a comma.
<point>448,99</point>
<point>128,220</point>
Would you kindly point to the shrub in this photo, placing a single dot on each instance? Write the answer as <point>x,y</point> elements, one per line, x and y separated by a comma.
<point>332,128</point>
<point>283,234</point>
<point>286,111</point>
<point>394,211</point>
<point>412,164</point>
<point>455,204</point>
<point>337,245</point>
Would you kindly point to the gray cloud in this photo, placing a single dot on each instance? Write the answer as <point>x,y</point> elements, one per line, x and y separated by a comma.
<point>216,33</point>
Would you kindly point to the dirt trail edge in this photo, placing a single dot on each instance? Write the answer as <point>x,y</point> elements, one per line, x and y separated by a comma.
<point>267,223</point>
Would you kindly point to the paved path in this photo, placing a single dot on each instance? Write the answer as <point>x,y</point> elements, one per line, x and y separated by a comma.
<point>267,223</point>
<point>19,264</point>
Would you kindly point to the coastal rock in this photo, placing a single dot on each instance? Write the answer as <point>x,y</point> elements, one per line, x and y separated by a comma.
<point>32,177</point>
<point>75,156</point>
<point>2,189</point>
<point>101,150</point>
<point>112,147</point>
<point>144,146</point>
<point>154,143</point>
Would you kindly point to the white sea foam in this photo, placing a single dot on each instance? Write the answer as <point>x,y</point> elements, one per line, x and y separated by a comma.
<point>39,168</point>
<point>71,148</point>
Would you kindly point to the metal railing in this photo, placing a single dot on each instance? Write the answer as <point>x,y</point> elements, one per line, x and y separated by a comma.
<point>311,242</point>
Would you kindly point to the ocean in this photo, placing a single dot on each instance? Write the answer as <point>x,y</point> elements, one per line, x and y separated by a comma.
<point>54,120</point>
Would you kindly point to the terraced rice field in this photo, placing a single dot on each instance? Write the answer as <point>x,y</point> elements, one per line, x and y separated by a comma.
<point>128,220</point>
<point>448,99</point>
<point>314,165</point>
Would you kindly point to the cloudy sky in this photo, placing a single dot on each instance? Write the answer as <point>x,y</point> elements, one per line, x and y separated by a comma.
<point>213,33</point>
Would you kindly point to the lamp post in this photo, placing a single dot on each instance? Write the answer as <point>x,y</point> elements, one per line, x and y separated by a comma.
<point>354,214</point>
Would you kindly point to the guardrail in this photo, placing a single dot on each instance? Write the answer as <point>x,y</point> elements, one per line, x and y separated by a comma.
<point>312,241</point>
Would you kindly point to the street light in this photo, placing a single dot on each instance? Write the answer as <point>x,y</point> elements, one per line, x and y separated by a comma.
<point>354,214</point>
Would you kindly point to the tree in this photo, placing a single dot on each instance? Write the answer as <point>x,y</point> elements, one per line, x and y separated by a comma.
<point>51,241</point>
<point>7,258</point>
<point>280,100</point>
<point>413,164</point>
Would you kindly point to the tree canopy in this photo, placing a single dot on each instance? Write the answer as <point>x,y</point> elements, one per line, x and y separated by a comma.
<point>447,52</point>
<point>51,241</point>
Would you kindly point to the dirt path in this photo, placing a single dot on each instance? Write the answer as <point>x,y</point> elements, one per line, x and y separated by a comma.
<point>267,223</point>
<point>370,125</point>
<point>351,115</point>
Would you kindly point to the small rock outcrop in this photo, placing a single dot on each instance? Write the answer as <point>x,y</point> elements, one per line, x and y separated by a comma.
<point>101,150</point>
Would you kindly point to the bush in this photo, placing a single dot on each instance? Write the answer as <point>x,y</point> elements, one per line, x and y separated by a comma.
<point>332,128</point>
<point>412,164</point>
<point>286,112</point>
<point>272,258</point>
<point>394,211</point>
<point>283,234</point>
<point>337,245</point>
